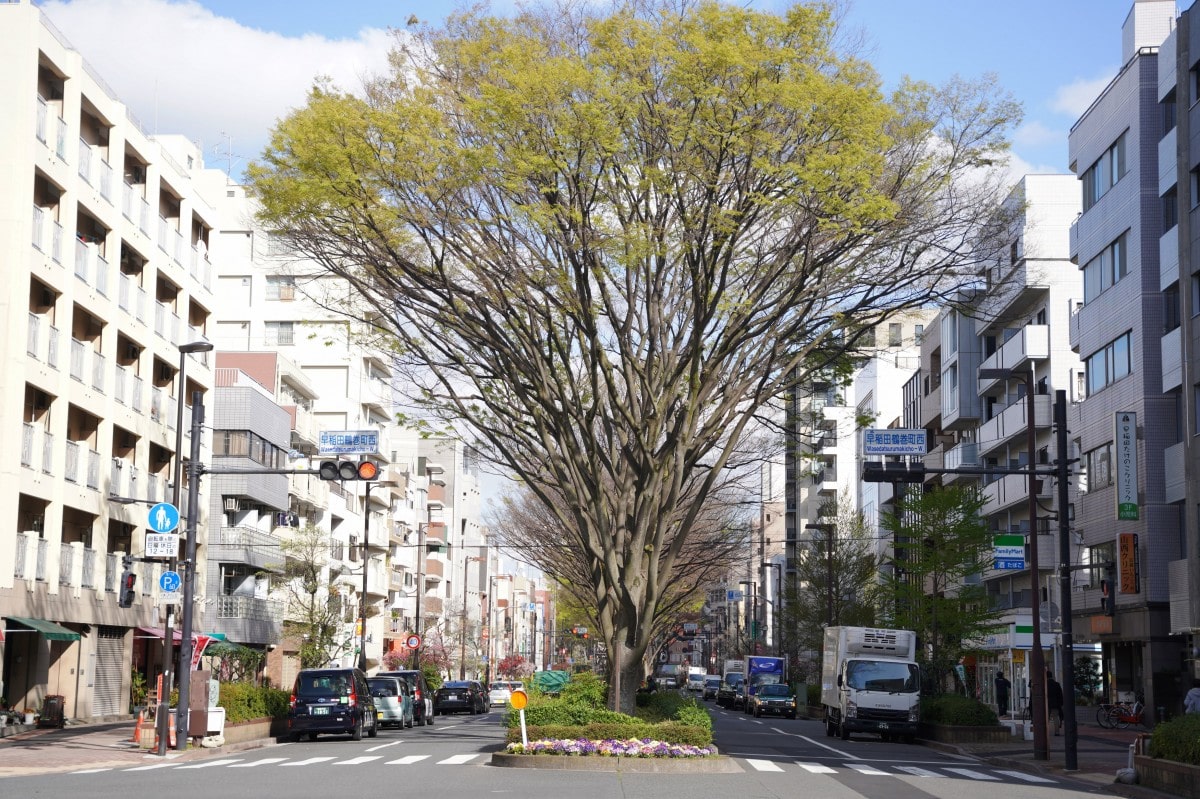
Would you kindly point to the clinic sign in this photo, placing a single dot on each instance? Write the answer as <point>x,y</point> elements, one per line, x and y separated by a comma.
<point>348,442</point>
<point>893,441</point>
<point>1126,466</point>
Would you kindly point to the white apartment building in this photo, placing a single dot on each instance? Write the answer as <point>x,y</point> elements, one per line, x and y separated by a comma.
<point>104,251</point>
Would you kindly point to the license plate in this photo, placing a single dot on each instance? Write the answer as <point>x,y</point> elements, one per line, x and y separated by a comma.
<point>883,725</point>
<point>452,697</point>
<point>319,711</point>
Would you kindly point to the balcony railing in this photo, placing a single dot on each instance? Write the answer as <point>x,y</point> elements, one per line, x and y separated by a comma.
<point>60,139</point>
<point>28,432</point>
<point>43,548</point>
<point>39,222</point>
<point>248,607</point>
<point>43,112</point>
<point>78,349</point>
<point>19,561</point>
<point>85,161</point>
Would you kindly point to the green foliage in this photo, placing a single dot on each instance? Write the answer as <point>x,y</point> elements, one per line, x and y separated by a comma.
<point>585,688</point>
<point>813,694</point>
<point>138,690</point>
<point>1178,739</point>
<point>433,677</point>
<point>1087,679</point>
<point>244,701</point>
<point>957,710</point>
<point>669,731</point>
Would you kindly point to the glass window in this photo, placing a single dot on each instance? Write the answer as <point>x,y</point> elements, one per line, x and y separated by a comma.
<point>1098,463</point>
<point>279,334</point>
<point>1105,173</point>
<point>895,334</point>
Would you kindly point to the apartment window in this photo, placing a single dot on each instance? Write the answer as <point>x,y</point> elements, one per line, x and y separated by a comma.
<point>1170,209</point>
<point>1108,364</point>
<point>1194,187</point>
<point>867,339</point>
<point>1106,269</point>
<point>1012,254</point>
<point>918,333</point>
<point>895,334</point>
<point>1096,557</point>
<point>1171,311</point>
<point>1098,463</point>
<point>1169,113</point>
<point>1105,173</point>
<point>281,287</point>
<point>279,334</point>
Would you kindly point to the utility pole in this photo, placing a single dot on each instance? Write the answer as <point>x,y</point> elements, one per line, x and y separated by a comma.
<point>1070,725</point>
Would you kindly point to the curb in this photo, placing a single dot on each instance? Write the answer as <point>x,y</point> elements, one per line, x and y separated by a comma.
<point>628,765</point>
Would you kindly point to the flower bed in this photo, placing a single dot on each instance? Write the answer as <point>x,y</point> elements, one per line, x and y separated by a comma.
<point>645,747</point>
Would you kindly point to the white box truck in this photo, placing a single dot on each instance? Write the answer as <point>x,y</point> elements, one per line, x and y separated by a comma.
<point>870,682</point>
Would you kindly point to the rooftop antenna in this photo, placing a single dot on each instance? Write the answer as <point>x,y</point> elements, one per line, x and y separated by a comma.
<point>229,156</point>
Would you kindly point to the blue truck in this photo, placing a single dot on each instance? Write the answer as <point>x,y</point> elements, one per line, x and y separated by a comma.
<point>760,670</point>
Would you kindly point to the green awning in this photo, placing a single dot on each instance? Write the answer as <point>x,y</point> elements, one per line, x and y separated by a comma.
<point>52,631</point>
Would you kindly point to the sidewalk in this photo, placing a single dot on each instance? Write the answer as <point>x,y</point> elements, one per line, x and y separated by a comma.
<point>1100,752</point>
<point>89,746</point>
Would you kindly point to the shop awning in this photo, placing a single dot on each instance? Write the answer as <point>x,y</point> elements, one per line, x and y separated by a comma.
<point>177,634</point>
<point>48,629</point>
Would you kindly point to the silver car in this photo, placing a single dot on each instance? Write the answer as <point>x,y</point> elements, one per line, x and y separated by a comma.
<point>501,691</point>
<point>393,701</point>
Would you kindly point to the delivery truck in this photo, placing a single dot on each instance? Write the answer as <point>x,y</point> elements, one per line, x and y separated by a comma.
<point>870,682</point>
<point>759,671</point>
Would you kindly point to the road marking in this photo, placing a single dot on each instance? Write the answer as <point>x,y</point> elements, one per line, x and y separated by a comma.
<point>151,768</point>
<point>837,752</point>
<point>265,761</point>
<point>354,761</point>
<point>816,768</point>
<point>975,775</point>
<point>91,771</point>
<point>763,765</point>
<point>863,768</point>
<point>308,762</point>
<point>407,760</point>
<point>1023,776</point>
<point>457,760</point>
<point>208,763</point>
<point>917,771</point>
<point>384,746</point>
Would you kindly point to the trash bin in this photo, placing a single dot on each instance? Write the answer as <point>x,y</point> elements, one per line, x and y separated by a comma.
<point>52,711</point>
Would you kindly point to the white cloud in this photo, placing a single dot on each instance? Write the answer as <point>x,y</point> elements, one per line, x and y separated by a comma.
<point>1018,168</point>
<point>1074,98</point>
<point>181,69</point>
<point>1036,134</point>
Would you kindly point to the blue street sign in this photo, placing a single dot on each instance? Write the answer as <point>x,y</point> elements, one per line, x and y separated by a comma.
<point>169,582</point>
<point>163,517</point>
<point>1010,564</point>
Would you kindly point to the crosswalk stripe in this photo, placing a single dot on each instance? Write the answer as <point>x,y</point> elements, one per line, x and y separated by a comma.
<point>763,765</point>
<point>917,771</point>
<point>1021,775</point>
<point>816,768</point>
<point>354,761</point>
<point>863,768</point>
<point>308,762</point>
<point>457,760</point>
<point>264,762</point>
<point>975,775</point>
<point>91,771</point>
<point>210,763</point>
<point>151,768</point>
<point>407,760</point>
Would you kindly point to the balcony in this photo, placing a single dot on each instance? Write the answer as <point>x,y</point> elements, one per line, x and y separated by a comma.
<point>1012,422</point>
<point>1032,343</point>
<point>437,495</point>
<point>1175,484</point>
<point>246,545</point>
<point>1172,359</point>
<point>1009,285</point>
<point>435,534</point>
<point>1010,490</point>
<point>964,454</point>
<point>431,606</point>
<point>435,570</point>
<point>249,619</point>
<point>1168,257</point>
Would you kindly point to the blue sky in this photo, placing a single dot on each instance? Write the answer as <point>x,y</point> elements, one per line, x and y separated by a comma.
<point>227,69</point>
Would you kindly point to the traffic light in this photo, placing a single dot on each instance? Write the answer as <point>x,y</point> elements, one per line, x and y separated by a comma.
<point>125,595</point>
<point>348,470</point>
<point>893,472</point>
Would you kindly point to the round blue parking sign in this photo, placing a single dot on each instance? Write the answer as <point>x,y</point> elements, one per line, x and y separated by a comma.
<point>169,582</point>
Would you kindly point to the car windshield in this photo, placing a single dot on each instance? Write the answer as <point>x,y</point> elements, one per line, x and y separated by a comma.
<point>712,681</point>
<point>879,675</point>
<point>461,686</point>
<point>322,684</point>
<point>383,687</point>
<point>774,690</point>
<point>733,681</point>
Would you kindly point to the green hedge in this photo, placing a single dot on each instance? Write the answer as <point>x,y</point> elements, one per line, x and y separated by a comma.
<point>957,710</point>
<point>1178,740</point>
<point>244,701</point>
<point>813,691</point>
<point>669,731</point>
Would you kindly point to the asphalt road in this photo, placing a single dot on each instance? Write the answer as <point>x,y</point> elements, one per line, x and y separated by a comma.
<point>778,758</point>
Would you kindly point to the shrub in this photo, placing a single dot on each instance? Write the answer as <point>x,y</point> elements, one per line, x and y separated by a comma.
<point>813,692</point>
<point>957,710</point>
<point>669,732</point>
<point>585,688</point>
<point>1178,739</point>
<point>245,701</point>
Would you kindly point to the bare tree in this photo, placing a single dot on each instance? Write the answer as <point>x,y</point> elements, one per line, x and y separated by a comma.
<point>607,240</point>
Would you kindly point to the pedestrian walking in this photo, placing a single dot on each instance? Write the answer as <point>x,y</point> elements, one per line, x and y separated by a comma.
<point>1054,701</point>
<point>1191,702</point>
<point>1002,688</point>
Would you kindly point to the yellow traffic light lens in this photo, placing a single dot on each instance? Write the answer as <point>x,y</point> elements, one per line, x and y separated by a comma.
<point>367,471</point>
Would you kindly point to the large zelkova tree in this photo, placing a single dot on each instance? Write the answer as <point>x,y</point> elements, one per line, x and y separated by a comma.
<point>940,540</point>
<point>607,239</point>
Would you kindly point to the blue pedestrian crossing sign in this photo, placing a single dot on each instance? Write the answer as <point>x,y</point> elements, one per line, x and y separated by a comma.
<point>163,517</point>
<point>169,582</point>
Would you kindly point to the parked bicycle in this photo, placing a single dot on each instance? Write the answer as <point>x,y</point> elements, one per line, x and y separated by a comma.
<point>1122,714</point>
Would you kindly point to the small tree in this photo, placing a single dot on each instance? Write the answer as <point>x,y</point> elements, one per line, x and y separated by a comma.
<point>939,539</point>
<point>515,667</point>
<point>314,609</point>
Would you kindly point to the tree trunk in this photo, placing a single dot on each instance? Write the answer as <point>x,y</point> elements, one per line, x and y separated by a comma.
<point>625,673</point>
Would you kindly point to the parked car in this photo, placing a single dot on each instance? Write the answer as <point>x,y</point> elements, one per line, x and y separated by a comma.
<point>421,695</point>
<point>332,701</point>
<point>501,691</point>
<point>460,696</point>
<point>778,699</point>
<point>712,684</point>
<point>727,694</point>
<point>393,701</point>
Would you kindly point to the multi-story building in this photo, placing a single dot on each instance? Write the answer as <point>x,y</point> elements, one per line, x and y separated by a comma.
<point>1131,430</point>
<point>105,255</point>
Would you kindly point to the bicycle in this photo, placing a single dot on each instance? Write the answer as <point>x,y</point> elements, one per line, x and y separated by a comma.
<point>1103,710</point>
<point>1123,714</point>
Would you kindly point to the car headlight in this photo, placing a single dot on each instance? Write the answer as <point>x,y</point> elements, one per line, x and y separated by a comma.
<point>914,713</point>
<point>851,710</point>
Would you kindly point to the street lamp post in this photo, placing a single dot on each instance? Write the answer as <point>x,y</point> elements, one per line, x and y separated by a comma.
<point>462,648</point>
<point>752,620</point>
<point>366,543</point>
<point>777,626</point>
<point>163,710</point>
<point>1037,663</point>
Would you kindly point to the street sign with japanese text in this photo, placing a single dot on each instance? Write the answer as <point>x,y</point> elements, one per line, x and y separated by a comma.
<point>893,441</point>
<point>162,545</point>
<point>1125,467</point>
<point>1128,578</point>
<point>348,442</point>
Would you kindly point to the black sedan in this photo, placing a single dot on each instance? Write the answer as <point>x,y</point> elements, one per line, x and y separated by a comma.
<point>727,694</point>
<point>460,696</point>
<point>777,700</point>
